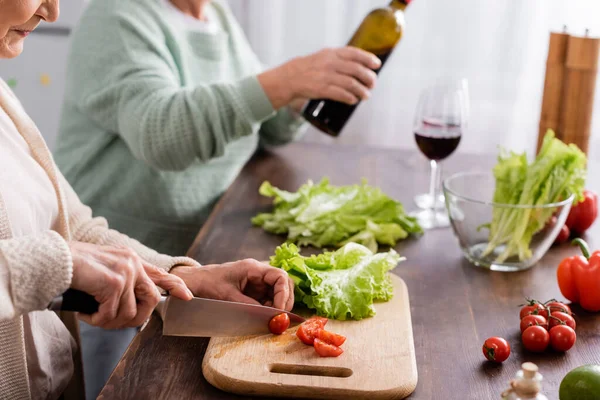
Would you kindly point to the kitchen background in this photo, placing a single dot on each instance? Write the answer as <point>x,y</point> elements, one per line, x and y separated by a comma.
<point>499,46</point>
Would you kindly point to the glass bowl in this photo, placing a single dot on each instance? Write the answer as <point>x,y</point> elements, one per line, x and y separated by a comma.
<point>470,207</point>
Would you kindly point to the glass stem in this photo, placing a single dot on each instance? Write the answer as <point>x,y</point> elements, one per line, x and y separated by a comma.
<point>434,184</point>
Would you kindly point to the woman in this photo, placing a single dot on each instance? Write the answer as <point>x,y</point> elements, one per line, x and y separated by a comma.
<point>49,242</point>
<point>165,102</point>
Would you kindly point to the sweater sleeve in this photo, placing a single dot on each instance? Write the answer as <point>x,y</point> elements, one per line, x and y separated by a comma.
<point>33,270</point>
<point>85,228</point>
<point>136,92</point>
<point>283,128</point>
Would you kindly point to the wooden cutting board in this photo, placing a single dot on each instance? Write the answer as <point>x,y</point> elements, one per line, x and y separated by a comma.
<point>378,360</point>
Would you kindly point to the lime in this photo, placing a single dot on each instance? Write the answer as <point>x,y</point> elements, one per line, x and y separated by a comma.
<point>582,383</point>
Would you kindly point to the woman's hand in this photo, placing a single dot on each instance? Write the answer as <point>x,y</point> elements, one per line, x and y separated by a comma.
<point>123,284</point>
<point>246,281</point>
<point>342,74</point>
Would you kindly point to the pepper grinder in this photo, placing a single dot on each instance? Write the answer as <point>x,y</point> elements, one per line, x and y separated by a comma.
<point>526,385</point>
<point>553,85</point>
<point>578,90</point>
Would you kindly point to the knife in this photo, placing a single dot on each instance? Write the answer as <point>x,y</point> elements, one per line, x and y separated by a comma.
<point>198,317</point>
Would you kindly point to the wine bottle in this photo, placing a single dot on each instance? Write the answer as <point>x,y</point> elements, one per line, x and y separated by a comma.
<point>379,33</point>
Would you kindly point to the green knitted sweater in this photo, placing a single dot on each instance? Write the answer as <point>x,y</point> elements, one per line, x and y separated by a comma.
<point>158,120</point>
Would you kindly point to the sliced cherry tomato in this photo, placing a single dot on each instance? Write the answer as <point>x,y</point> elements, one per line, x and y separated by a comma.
<point>327,350</point>
<point>496,349</point>
<point>321,321</point>
<point>535,338</point>
<point>279,323</point>
<point>533,309</point>
<point>331,338</point>
<point>557,318</point>
<point>533,320</point>
<point>558,306</point>
<point>307,333</point>
<point>562,337</point>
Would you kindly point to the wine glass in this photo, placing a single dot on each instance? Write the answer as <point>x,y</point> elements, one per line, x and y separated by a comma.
<point>441,117</point>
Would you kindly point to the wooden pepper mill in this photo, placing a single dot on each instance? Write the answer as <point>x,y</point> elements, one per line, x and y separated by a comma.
<point>571,72</point>
<point>553,85</point>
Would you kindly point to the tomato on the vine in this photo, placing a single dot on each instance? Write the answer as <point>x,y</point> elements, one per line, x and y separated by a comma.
<point>562,337</point>
<point>560,318</point>
<point>535,338</point>
<point>558,306</point>
<point>533,309</point>
<point>496,349</point>
<point>533,320</point>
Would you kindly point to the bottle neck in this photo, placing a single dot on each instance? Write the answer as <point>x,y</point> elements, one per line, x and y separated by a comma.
<point>399,4</point>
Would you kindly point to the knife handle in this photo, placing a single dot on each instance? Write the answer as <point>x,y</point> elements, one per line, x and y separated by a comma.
<point>75,300</point>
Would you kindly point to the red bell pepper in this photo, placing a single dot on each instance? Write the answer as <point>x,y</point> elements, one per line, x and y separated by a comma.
<point>584,213</point>
<point>579,278</point>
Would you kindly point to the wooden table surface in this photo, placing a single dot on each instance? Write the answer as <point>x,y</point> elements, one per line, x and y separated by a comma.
<point>455,306</point>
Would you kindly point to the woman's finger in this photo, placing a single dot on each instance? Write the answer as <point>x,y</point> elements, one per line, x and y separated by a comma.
<point>337,93</point>
<point>127,308</point>
<point>109,303</point>
<point>148,297</point>
<point>169,282</point>
<point>351,85</point>
<point>290,302</point>
<point>369,60</point>
<point>242,298</point>
<point>365,75</point>
<point>277,279</point>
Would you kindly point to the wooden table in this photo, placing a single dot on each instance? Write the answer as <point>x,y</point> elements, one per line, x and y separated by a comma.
<point>455,306</point>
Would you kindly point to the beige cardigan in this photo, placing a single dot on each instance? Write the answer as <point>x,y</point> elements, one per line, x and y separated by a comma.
<point>40,267</point>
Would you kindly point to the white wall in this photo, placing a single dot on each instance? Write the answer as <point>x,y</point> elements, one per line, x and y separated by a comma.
<point>40,71</point>
<point>500,46</point>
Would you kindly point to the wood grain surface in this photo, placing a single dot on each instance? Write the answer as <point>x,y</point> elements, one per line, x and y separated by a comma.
<point>378,362</point>
<point>454,305</point>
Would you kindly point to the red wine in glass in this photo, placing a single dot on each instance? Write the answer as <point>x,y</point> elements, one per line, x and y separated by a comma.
<point>438,139</point>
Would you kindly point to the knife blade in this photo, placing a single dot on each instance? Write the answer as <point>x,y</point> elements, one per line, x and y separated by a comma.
<point>198,317</point>
<point>216,318</point>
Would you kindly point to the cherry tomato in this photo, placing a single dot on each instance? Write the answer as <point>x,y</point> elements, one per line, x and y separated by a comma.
<point>533,320</point>
<point>331,338</point>
<point>327,350</point>
<point>563,235</point>
<point>562,337</point>
<point>558,306</point>
<point>496,349</point>
<point>321,321</point>
<point>533,309</point>
<point>535,338</point>
<point>566,318</point>
<point>279,323</point>
<point>307,333</point>
<point>309,329</point>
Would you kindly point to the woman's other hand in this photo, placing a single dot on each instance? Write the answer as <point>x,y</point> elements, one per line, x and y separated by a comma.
<point>343,74</point>
<point>246,281</point>
<point>123,284</point>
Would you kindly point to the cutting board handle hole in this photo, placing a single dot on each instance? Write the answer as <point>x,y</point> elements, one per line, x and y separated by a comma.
<point>316,370</point>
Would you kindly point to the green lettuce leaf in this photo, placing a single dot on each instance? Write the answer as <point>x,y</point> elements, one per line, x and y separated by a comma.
<point>325,215</point>
<point>557,172</point>
<point>342,284</point>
